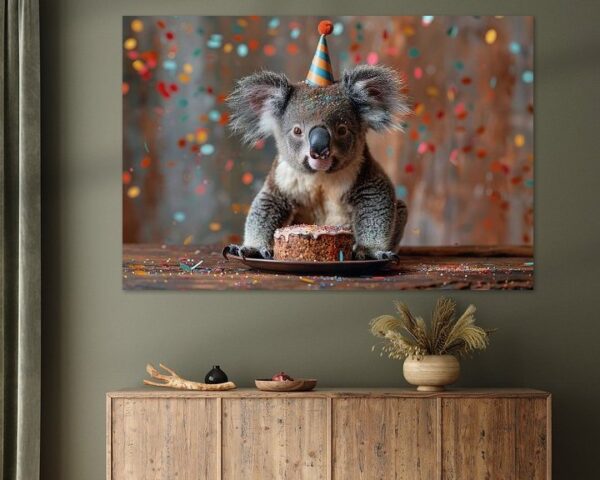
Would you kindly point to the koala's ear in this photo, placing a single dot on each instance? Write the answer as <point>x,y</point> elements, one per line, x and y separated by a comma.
<point>376,93</point>
<point>257,101</point>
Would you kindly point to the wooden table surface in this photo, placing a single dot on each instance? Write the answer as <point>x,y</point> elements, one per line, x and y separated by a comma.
<point>168,267</point>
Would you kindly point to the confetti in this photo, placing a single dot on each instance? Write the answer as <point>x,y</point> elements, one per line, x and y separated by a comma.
<point>270,50</point>
<point>426,20</point>
<point>519,140</point>
<point>170,65</point>
<point>372,58</point>
<point>179,217</point>
<point>413,52</point>
<point>306,280</point>
<point>215,41</point>
<point>207,149</point>
<point>491,36</point>
<point>401,191</point>
<point>242,50</point>
<point>452,32</point>
<point>247,178</point>
<point>137,25</point>
<point>133,192</point>
<point>130,44</point>
<point>214,226</point>
<point>514,48</point>
<point>274,23</point>
<point>527,76</point>
<point>338,28</point>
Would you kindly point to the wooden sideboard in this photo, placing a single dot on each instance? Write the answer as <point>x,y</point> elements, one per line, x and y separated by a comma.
<point>348,434</point>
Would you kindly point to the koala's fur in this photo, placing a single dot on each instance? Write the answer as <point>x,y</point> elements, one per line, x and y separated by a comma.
<point>353,189</point>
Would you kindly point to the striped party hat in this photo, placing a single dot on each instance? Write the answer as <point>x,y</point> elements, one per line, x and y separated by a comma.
<point>321,73</point>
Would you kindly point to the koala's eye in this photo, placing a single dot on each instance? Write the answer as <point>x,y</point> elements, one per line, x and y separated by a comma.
<point>297,131</point>
<point>342,130</point>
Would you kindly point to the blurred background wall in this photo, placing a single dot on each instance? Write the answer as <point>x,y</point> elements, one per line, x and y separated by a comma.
<point>464,164</point>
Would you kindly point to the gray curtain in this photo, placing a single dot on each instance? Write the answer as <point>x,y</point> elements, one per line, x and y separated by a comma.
<point>19,240</point>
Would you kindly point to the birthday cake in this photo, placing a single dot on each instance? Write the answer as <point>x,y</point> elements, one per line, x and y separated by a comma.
<point>313,243</point>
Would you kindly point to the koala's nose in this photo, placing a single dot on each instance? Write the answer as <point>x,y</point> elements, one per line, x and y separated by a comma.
<point>318,139</point>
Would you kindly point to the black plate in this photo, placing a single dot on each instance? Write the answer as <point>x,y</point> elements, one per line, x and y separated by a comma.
<point>346,268</point>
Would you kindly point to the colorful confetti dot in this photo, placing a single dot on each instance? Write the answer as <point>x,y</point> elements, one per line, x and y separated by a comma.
<point>295,33</point>
<point>372,58</point>
<point>170,65</point>
<point>215,41</point>
<point>133,192</point>
<point>491,36</point>
<point>242,50</point>
<point>514,48</point>
<point>214,226</point>
<point>179,217</point>
<point>452,32</point>
<point>338,28</point>
<point>519,140</point>
<point>137,25</point>
<point>207,149</point>
<point>401,191</point>
<point>139,66</point>
<point>426,20</point>
<point>130,43</point>
<point>270,50</point>
<point>274,23</point>
<point>247,178</point>
<point>413,52</point>
<point>527,76</point>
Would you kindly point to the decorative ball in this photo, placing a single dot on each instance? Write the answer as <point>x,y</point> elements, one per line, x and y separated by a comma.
<point>325,27</point>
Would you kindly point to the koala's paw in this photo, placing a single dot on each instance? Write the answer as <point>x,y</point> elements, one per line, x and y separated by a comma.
<point>250,252</point>
<point>366,253</point>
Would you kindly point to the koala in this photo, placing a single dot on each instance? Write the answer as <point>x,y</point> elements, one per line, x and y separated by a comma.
<point>324,173</point>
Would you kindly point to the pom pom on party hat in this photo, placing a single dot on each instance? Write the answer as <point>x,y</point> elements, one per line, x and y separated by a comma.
<point>321,73</point>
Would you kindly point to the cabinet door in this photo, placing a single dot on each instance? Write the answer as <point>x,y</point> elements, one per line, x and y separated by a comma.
<point>533,439</point>
<point>274,438</point>
<point>384,438</point>
<point>163,439</point>
<point>478,438</point>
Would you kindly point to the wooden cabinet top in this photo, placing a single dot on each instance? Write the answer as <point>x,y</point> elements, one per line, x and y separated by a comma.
<point>335,392</point>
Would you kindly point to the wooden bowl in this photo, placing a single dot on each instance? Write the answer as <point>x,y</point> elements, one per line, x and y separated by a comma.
<point>296,385</point>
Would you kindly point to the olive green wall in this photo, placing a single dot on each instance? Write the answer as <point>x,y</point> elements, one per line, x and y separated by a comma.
<point>98,337</point>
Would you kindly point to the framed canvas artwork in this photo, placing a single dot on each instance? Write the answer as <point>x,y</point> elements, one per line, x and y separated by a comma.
<point>341,153</point>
